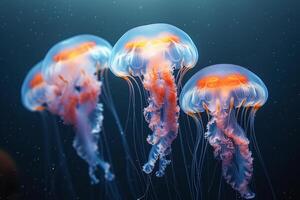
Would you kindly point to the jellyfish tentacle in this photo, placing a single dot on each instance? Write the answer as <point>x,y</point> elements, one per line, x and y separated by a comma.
<point>243,158</point>
<point>231,147</point>
<point>216,139</point>
<point>89,117</point>
<point>86,141</point>
<point>163,163</point>
<point>82,110</point>
<point>152,158</point>
<point>161,114</point>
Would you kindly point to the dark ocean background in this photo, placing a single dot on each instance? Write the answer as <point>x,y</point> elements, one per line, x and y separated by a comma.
<point>262,35</point>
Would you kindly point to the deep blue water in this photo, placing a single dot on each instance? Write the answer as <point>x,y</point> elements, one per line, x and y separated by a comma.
<point>260,35</point>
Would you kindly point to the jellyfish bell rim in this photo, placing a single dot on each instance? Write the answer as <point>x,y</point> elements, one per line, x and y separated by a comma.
<point>119,70</point>
<point>25,88</point>
<point>190,86</point>
<point>71,42</point>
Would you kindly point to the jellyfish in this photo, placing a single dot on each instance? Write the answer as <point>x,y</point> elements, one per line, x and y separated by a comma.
<point>66,84</point>
<point>36,94</point>
<point>152,53</point>
<point>220,90</point>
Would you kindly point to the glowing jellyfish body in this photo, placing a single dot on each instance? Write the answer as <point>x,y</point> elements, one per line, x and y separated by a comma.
<point>66,84</point>
<point>219,89</point>
<point>152,53</point>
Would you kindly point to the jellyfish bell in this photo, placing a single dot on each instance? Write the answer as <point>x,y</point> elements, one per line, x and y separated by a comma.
<point>79,54</point>
<point>219,90</point>
<point>35,93</point>
<point>143,44</point>
<point>72,66</point>
<point>152,53</point>
<point>222,85</point>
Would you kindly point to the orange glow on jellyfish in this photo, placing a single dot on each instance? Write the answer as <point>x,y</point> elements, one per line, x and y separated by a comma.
<point>74,52</point>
